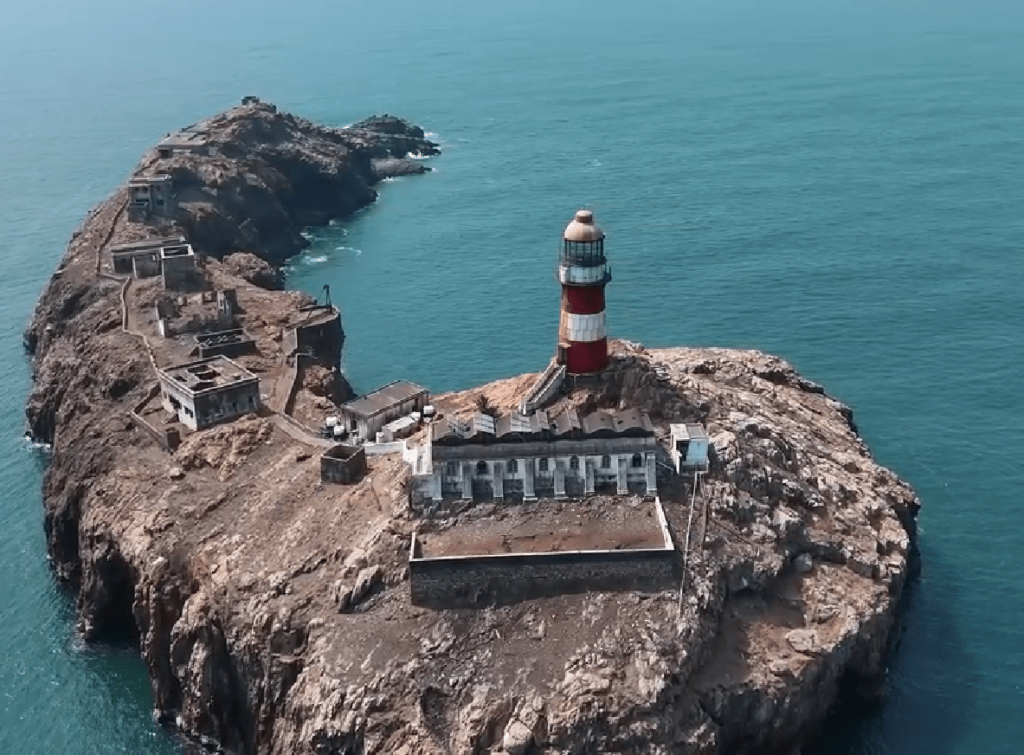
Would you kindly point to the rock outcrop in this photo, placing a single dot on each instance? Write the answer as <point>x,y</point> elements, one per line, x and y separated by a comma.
<point>273,611</point>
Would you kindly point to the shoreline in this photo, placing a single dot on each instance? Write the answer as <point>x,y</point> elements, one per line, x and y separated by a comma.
<point>241,636</point>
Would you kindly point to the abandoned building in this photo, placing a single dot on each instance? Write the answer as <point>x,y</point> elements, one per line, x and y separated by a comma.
<point>186,141</point>
<point>208,391</point>
<point>364,416</point>
<point>150,196</point>
<point>231,343</point>
<point>178,265</point>
<point>343,464</point>
<point>207,312</point>
<point>141,259</point>
<point>689,449</point>
<point>541,456</point>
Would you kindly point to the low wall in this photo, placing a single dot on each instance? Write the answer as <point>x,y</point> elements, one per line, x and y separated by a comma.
<point>469,581</point>
<point>168,439</point>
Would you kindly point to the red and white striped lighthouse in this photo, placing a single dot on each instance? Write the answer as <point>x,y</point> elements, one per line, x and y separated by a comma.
<point>583,272</point>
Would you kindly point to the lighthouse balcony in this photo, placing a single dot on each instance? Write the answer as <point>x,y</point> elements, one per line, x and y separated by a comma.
<point>574,275</point>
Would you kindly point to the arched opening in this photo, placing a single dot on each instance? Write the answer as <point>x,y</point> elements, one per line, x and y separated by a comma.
<point>638,461</point>
<point>481,467</point>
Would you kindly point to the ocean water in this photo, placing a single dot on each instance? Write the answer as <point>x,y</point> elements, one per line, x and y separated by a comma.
<point>840,184</point>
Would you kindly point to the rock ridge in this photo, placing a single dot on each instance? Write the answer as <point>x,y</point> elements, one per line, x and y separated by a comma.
<point>273,611</point>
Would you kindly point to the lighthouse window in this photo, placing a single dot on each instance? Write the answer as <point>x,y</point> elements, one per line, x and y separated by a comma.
<point>481,467</point>
<point>574,463</point>
<point>606,462</point>
<point>543,463</point>
<point>452,469</point>
<point>512,466</point>
<point>638,460</point>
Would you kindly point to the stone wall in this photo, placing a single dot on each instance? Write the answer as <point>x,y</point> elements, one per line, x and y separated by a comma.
<point>463,582</point>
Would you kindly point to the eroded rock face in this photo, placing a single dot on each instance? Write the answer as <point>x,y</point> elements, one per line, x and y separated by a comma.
<point>273,610</point>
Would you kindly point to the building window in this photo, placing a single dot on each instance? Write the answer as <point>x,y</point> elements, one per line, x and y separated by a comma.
<point>543,465</point>
<point>574,463</point>
<point>512,466</point>
<point>452,469</point>
<point>606,462</point>
<point>481,467</point>
<point>638,460</point>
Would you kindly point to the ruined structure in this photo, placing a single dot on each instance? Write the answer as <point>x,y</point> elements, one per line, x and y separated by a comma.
<point>178,265</point>
<point>150,196</point>
<point>208,391</point>
<point>140,259</point>
<point>343,464</point>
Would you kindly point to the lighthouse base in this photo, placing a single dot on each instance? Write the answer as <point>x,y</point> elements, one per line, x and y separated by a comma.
<point>585,357</point>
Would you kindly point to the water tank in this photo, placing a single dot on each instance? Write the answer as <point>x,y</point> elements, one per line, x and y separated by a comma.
<point>429,412</point>
<point>339,431</point>
<point>331,421</point>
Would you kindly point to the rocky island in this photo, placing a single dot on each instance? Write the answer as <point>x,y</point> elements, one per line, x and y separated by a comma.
<point>298,584</point>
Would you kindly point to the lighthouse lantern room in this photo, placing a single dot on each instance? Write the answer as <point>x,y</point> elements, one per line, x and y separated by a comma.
<point>583,273</point>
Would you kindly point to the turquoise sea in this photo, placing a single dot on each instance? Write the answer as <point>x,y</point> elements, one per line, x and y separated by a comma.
<point>838,183</point>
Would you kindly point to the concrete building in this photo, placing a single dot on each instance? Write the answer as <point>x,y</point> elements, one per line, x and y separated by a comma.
<point>150,196</point>
<point>178,265</point>
<point>141,259</point>
<point>186,141</point>
<point>208,391</point>
<point>366,415</point>
<point>689,447</point>
<point>540,456</point>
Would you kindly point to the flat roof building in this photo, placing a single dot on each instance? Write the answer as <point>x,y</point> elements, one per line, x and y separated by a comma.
<point>366,415</point>
<point>141,258</point>
<point>689,447</point>
<point>208,391</point>
<point>178,265</point>
<point>150,195</point>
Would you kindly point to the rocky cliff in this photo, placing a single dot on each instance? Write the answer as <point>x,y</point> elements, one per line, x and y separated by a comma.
<point>273,611</point>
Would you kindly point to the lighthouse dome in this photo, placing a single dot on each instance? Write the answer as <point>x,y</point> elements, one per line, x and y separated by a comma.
<point>583,228</point>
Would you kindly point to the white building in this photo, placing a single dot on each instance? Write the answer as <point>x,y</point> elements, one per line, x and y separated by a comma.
<point>689,447</point>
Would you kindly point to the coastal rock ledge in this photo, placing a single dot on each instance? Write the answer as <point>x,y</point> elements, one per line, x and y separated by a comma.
<point>273,609</point>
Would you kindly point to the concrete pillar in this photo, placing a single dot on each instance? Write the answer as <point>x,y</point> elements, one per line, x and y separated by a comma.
<point>652,474</point>
<point>559,480</point>
<point>466,470</point>
<point>497,480</point>
<point>621,462</point>
<point>435,486</point>
<point>529,494</point>
<point>588,485</point>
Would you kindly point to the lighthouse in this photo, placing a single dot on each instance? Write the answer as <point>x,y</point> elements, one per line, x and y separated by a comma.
<point>583,273</point>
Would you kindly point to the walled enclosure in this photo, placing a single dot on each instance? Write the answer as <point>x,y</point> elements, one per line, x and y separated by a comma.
<point>343,464</point>
<point>477,580</point>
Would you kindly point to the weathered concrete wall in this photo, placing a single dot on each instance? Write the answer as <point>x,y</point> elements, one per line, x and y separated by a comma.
<point>343,464</point>
<point>463,582</point>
